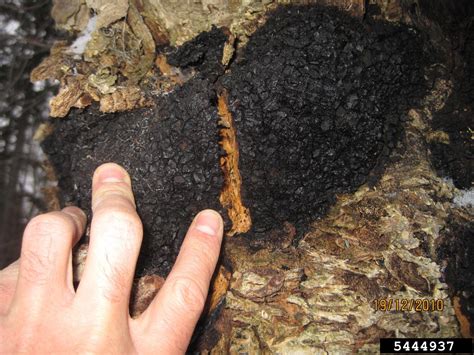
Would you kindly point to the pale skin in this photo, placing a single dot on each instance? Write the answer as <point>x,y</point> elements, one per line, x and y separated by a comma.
<point>41,312</point>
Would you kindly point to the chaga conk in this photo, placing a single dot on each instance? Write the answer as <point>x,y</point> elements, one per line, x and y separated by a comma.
<point>454,158</point>
<point>204,53</point>
<point>314,104</point>
<point>170,151</point>
<point>318,99</point>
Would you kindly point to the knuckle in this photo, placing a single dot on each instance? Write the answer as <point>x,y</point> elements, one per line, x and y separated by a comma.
<point>190,296</point>
<point>123,230</point>
<point>42,226</point>
<point>38,252</point>
<point>120,192</point>
<point>77,216</point>
<point>118,230</point>
<point>122,226</point>
<point>120,216</point>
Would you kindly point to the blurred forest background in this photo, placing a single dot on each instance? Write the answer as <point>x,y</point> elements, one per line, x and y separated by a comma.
<point>26,35</point>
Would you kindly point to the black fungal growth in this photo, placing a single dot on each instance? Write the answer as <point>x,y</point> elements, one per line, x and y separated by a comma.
<point>317,99</point>
<point>204,53</point>
<point>456,118</point>
<point>171,153</point>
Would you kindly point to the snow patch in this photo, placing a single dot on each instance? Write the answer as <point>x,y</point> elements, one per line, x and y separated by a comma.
<point>79,45</point>
<point>11,27</point>
<point>465,198</point>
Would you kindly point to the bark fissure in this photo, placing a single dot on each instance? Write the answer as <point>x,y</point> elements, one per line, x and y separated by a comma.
<point>231,197</point>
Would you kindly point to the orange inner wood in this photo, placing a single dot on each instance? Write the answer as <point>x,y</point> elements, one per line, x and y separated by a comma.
<point>230,196</point>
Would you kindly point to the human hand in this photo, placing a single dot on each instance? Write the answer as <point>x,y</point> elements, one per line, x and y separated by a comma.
<point>41,312</point>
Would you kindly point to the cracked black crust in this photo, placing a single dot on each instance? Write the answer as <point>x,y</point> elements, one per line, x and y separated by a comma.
<point>171,153</point>
<point>204,53</point>
<point>456,118</point>
<point>318,100</point>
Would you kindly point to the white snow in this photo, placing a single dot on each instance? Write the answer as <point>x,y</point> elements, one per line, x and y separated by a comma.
<point>465,198</point>
<point>11,26</point>
<point>79,45</point>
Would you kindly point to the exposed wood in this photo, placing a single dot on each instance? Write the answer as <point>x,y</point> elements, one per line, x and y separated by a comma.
<point>231,197</point>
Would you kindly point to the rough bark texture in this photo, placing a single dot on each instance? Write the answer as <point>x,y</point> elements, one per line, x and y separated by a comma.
<point>406,236</point>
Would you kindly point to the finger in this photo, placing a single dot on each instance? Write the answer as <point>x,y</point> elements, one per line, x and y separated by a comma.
<point>175,311</point>
<point>80,219</point>
<point>70,274</point>
<point>47,243</point>
<point>116,235</point>
<point>8,279</point>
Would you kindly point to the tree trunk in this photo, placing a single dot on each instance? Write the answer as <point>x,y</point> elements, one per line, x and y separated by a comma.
<point>374,265</point>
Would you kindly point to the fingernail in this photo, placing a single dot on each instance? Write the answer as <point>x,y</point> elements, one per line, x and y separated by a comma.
<point>208,222</point>
<point>111,172</point>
